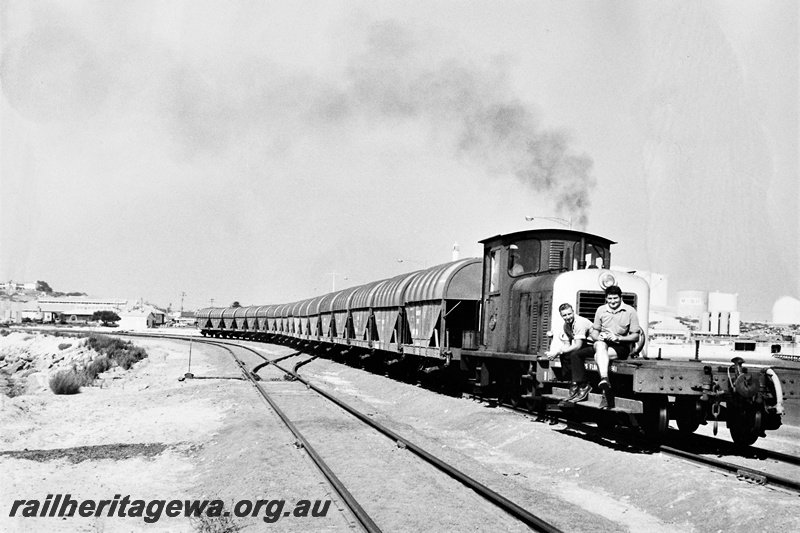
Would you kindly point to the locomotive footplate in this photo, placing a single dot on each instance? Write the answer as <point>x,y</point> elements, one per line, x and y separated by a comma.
<point>621,405</point>
<point>675,378</point>
<point>682,377</point>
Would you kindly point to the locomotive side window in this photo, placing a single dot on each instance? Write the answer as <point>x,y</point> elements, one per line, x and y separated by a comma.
<point>493,281</point>
<point>524,257</point>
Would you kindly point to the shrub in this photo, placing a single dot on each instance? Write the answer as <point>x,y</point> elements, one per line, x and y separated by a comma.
<point>64,345</point>
<point>126,359</point>
<point>95,368</point>
<point>122,353</point>
<point>65,382</point>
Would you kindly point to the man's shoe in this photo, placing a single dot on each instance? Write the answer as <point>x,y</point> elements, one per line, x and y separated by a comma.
<point>573,392</point>
<point>583,393</point>
<point>603,402</point>
<point>604,386</point>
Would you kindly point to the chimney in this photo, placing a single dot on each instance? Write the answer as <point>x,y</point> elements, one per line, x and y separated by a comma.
<point>455,251</point>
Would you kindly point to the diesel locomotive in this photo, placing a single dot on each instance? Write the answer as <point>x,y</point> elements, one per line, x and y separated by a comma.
<point>491,320</point>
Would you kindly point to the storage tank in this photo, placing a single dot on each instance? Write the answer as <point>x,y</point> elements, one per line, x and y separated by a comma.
<point>722,301</point>
<point>705,322</point>
<point>786,310</point>
<point>714,330</point>
<point>723,322</point>
<point>734,321</point>
<point>692,303</point>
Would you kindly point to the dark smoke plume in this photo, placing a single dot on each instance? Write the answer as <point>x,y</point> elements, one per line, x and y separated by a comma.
<point>209,108</point>
<point>397,79</point>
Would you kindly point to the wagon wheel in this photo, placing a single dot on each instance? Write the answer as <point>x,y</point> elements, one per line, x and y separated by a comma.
<point>745,426</point>
<point>687,415</point>
<point>655,419</point>
<point>606,421</point>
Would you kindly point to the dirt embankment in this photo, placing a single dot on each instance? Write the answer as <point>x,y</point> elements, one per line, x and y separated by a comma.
<point>29,360</point>
<point>145,434</point>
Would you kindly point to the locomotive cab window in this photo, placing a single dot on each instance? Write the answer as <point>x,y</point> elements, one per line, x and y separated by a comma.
<point>524,257</point>
<point>595,256</point>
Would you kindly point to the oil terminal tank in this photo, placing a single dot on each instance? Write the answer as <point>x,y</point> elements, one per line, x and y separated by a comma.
<point>692,303</point>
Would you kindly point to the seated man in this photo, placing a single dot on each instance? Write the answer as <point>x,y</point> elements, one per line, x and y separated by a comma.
<point>575,349</point>
<point>615,330</point>
<point>515,266</point>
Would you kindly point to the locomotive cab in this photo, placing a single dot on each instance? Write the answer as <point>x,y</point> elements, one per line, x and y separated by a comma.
<point>520,271</point>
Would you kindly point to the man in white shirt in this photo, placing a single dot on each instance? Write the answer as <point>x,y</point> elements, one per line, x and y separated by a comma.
<point>574,351</point>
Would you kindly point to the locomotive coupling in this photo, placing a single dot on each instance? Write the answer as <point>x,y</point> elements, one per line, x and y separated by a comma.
<point>745,385</point>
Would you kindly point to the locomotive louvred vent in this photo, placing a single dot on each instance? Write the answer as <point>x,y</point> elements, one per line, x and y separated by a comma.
<point>556,259</point>
<point>545,321</point>
<point>589,301</point>
<point>536,309</point>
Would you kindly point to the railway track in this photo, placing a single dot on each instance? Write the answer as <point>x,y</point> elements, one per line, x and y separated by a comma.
<point>678,447</point>
<point>367,523</point>
<point>524,516</point>
<point>743,472</point>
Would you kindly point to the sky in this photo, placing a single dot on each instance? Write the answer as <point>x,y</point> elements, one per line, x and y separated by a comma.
<point>269,151</point>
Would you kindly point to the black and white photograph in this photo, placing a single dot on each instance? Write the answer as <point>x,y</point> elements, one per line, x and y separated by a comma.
<point>399,266</point>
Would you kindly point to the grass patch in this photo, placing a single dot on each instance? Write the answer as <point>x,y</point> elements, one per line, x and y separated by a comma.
<point>121,353</point>
<point>66,382</point>
<point>71,381</point>
<point>113,352</point>
<point>88,374</point>
<point>80,454</point>
<point>214,524</point>
<point>67,334</point>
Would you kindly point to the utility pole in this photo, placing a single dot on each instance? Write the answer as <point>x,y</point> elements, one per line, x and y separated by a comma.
<point>182,295</point>
<point>563,221</point>
<point>333,280</point>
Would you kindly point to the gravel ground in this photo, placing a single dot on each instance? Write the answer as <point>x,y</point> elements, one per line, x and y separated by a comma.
<point>576,482</point>
<point>150,436</point>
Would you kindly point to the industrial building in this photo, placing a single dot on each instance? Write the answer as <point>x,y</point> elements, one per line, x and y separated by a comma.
<point>73,309</point>
<point>717,312</point>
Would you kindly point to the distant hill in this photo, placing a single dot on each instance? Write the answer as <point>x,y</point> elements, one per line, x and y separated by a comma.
<point>43,290</point>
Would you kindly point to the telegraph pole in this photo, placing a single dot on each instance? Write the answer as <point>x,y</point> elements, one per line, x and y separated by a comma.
<point>333,279</point>
<point>182,295</point>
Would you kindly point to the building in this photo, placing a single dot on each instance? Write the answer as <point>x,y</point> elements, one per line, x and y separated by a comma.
<point>718,311</point>
<point>141,317</point>
<point>182,319</point>
<point>11,286</point>
<point>74,309</point>
<point>692,304</point>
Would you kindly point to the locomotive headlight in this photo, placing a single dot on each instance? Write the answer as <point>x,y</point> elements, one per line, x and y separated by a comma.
<point>606,280</point>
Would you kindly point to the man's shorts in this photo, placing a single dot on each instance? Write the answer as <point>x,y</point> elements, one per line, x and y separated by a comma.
<point>623,349</point>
